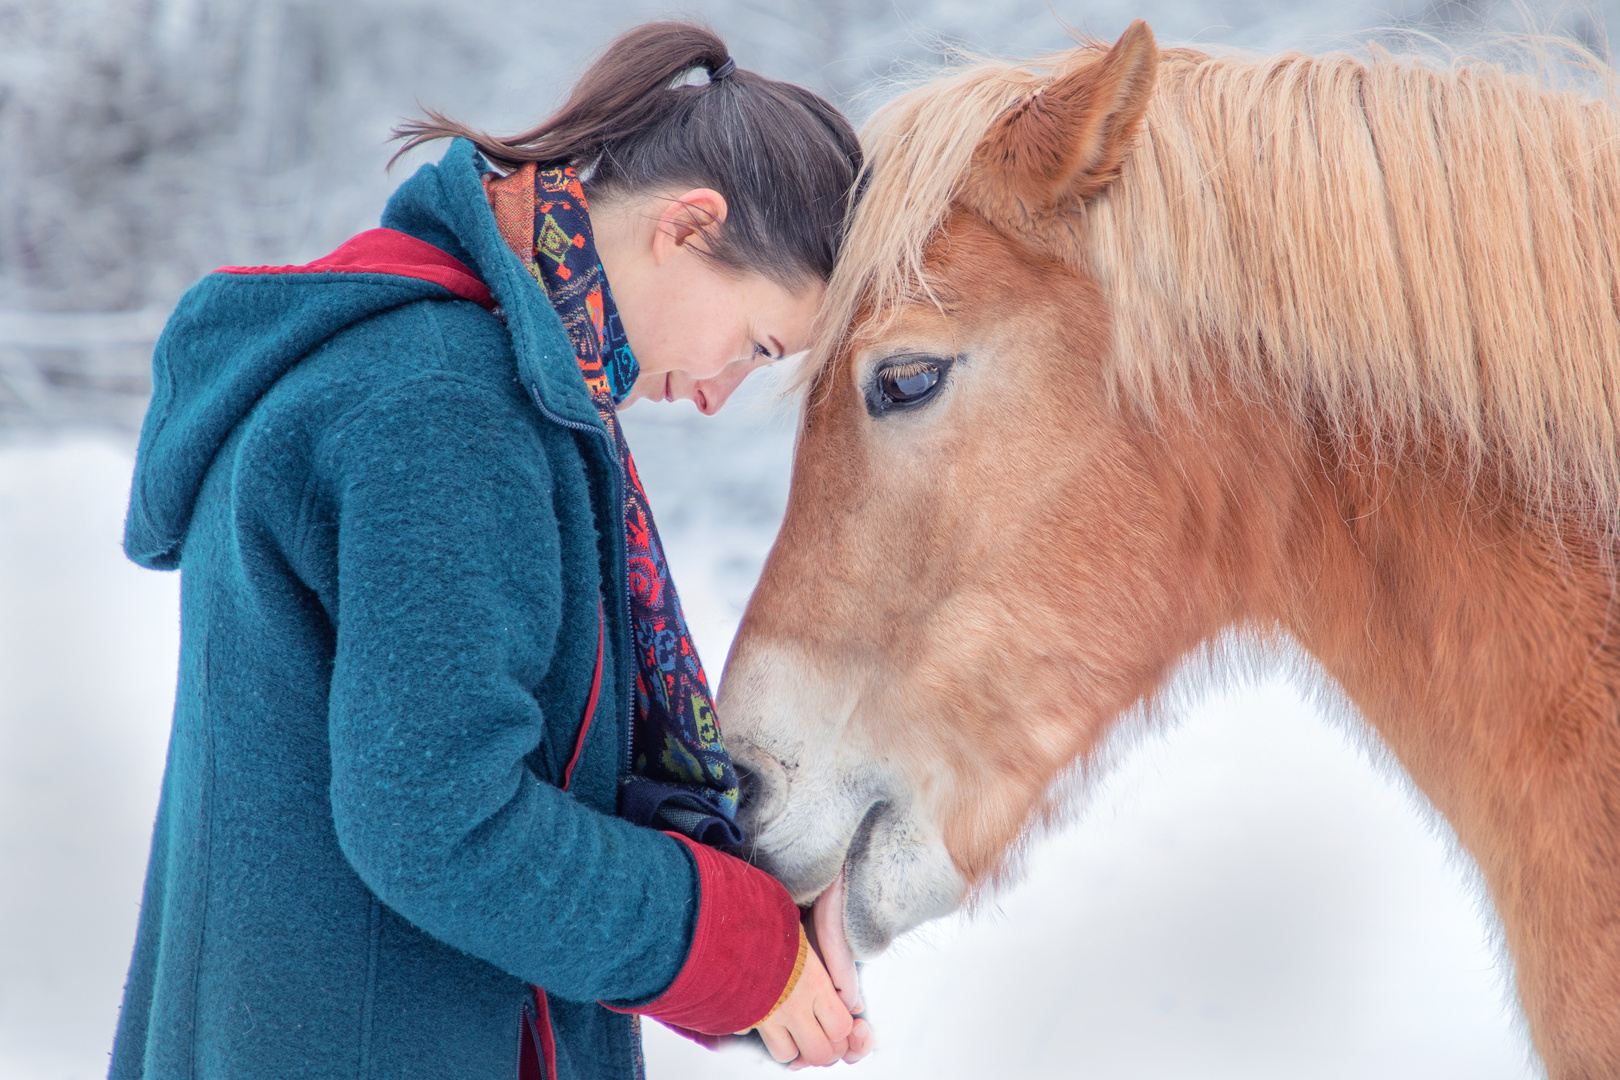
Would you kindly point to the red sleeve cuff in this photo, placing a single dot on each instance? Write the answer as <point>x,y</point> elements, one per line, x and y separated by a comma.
<point>745,949</point>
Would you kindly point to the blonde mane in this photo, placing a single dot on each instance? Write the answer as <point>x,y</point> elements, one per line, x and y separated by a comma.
<point>1391,249</point>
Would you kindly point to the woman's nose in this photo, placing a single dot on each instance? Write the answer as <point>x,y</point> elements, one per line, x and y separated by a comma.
<point>710,394</point>
<point>709,398</point>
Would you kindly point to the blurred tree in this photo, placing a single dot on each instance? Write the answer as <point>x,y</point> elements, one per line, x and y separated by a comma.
<point>148,141</point>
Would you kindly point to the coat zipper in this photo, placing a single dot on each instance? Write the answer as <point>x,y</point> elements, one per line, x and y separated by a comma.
<point>621,554</point>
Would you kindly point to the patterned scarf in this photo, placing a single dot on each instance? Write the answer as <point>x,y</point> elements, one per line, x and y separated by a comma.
<point>681,776</point>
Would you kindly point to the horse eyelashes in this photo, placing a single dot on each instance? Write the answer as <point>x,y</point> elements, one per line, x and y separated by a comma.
<point>907,371</point>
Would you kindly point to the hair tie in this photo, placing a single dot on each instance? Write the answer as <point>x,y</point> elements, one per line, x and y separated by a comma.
<point>723,71</point>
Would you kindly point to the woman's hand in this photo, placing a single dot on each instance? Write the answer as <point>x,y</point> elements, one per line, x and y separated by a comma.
<point>812,1027</point>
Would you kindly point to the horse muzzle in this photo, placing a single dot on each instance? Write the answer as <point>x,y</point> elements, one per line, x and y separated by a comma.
<point>818,798</point>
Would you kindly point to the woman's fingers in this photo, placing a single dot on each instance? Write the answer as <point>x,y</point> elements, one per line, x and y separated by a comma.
<point>833,1017</point>
<point>862,1041</point>
<point>812,1027</point>
<point>778,1042</point>
<point>815,1048</point>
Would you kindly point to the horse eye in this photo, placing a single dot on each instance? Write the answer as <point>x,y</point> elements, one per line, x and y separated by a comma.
<point>910,385</point>
<point>905,384</point>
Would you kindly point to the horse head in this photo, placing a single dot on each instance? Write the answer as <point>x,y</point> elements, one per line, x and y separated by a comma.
<point>910,676</point>
<point>1146,352</point>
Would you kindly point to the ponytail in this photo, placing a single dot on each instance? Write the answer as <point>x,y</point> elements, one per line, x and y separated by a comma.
<point>618,95</point>
<point>784,159</point>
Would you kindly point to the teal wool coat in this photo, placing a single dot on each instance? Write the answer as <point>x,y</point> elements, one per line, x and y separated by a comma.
<point>384,504</point>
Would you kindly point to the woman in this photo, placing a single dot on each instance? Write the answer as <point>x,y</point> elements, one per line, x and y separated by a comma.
<point>444,772</point>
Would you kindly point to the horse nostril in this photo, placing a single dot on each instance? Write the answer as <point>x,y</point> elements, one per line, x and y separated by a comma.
<point>761,788</point>
<point>748,789</point>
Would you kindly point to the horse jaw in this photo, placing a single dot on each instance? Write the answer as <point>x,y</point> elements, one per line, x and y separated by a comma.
<point>818,804</point>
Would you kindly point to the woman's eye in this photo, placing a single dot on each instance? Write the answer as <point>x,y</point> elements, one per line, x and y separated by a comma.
<point>760,350</point>
<point>905,384</point>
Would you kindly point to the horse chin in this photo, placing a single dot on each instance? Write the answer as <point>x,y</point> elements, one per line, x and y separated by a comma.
<point>842,835</point>
<point>898,876</point>
<point>872,901</point>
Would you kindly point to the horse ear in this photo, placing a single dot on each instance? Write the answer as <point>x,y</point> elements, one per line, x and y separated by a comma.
<point>1065,144</point>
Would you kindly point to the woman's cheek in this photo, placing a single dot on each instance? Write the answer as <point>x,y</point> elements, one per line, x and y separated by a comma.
<point>709,354</point>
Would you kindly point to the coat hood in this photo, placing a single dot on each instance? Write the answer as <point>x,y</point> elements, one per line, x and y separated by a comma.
<point>241,328</point>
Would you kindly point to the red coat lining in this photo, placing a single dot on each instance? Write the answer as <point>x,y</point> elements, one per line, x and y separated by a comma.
<point>389,251</point>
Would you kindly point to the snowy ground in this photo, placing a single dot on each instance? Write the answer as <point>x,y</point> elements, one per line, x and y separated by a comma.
<point>1245,897</point>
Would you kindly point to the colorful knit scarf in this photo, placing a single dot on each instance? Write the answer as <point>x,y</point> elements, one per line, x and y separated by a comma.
<point>681,776</point>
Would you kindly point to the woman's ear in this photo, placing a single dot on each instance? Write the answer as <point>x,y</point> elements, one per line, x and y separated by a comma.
<point>1064,144</point>
<point>686,218</point>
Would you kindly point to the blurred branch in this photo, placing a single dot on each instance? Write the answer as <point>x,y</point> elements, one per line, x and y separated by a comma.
<point>65,368</point>
<point>81,330</point>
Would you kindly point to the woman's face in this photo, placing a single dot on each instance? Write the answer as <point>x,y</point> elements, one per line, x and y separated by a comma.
<point>696,328</point>
<point>699,337</point>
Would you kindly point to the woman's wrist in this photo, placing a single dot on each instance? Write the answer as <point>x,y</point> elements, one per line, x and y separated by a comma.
<point>748,950</point>
<point>793,979</point>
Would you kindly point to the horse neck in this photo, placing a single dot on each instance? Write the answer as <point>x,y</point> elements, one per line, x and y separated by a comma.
<point>1481,642</point>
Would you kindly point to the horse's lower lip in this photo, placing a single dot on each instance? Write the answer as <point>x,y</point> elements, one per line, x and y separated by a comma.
<point>828,919</point>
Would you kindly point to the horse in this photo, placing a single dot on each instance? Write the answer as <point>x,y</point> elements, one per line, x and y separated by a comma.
<point>1142,362</point>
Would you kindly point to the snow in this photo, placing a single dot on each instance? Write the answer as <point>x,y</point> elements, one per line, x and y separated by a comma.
<point>1245,896</point>
<point>87,664</point>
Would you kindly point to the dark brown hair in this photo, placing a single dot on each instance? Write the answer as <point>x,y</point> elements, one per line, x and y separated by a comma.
<point>784,159</point>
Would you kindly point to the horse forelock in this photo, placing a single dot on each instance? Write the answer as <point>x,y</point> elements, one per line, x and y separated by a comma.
<point>1400,252</point>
